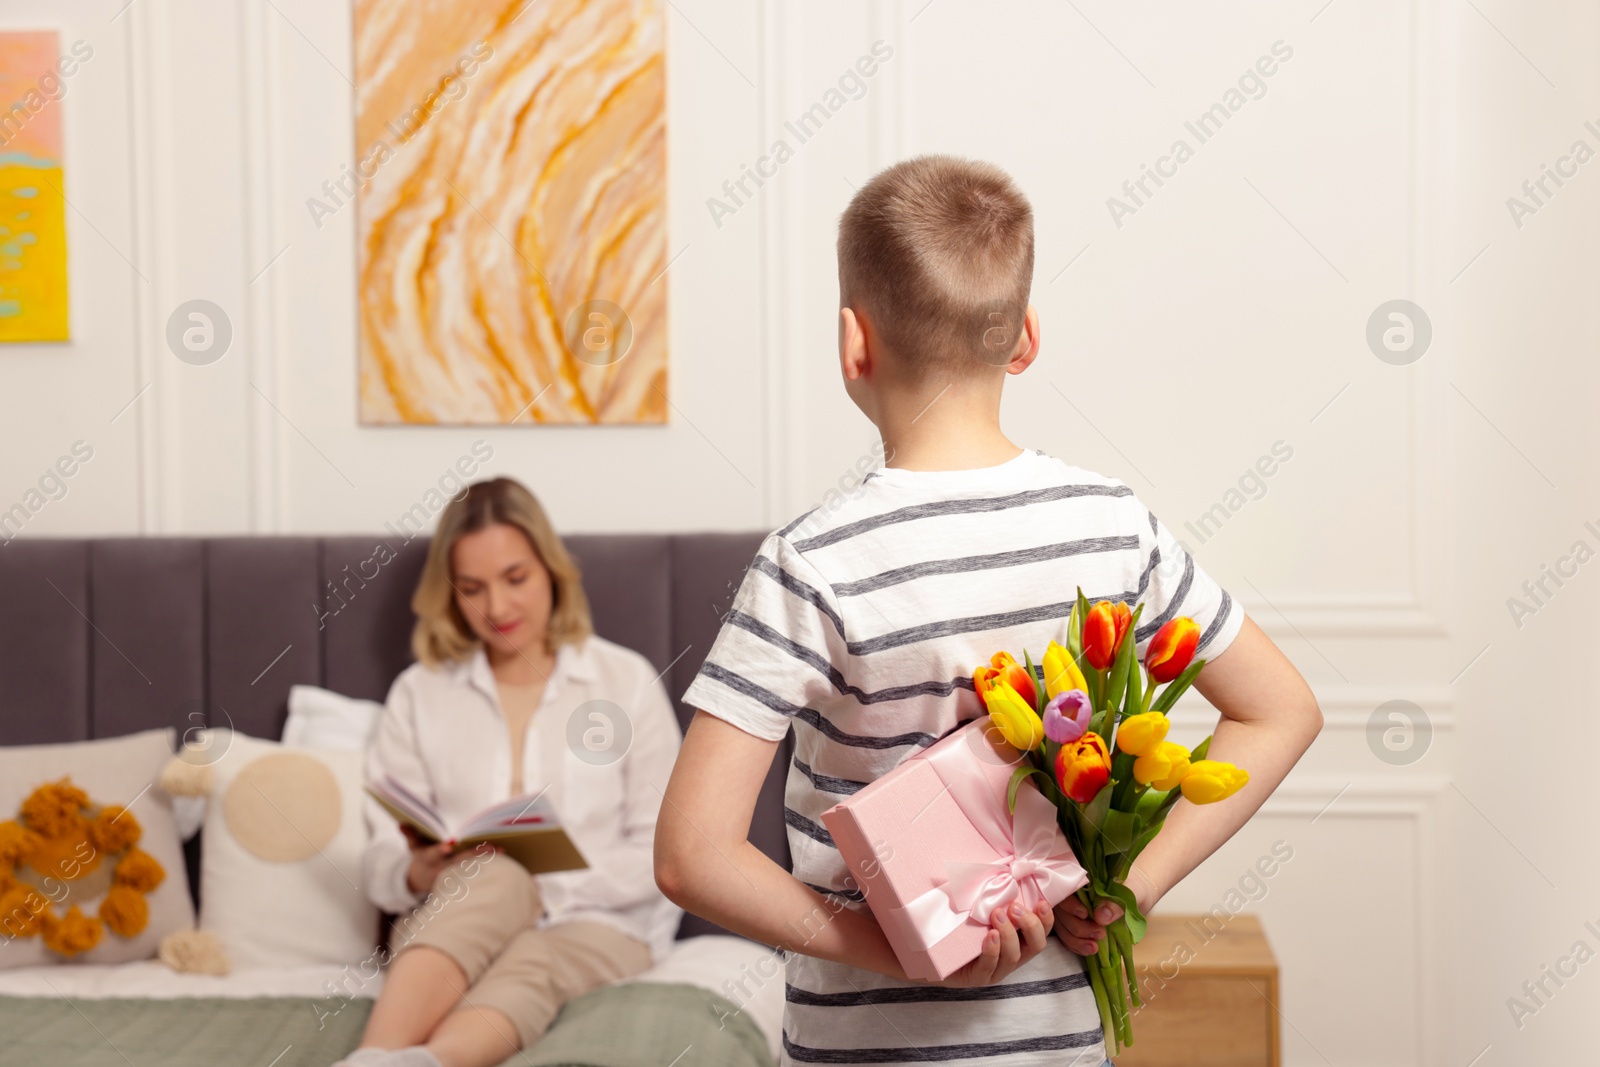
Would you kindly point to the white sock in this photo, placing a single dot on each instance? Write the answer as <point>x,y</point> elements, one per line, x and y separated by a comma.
<point>364,1057</point>
<point>415,1056</point>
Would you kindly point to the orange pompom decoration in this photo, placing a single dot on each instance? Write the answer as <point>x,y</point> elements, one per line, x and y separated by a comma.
<point>140,871</point>
<point>73,933</point>
<point>55,809</point>
<point>20,911</point>
<point>17,843</point>
<point>114,829</point>
<point>8,879</point>
<point>124,911</point>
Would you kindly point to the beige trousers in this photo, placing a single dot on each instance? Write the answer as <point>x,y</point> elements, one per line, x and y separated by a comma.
<point>481,913</point>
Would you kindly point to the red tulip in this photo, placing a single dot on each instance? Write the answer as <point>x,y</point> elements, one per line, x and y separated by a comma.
<point>1171,649</point>
<point>1103,631</point>
<point>1083,768</point>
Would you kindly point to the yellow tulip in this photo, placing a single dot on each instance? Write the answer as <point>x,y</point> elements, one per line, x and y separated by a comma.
<point>1209,781</point>
<point>1018,723</point>
<point>1061,673</point>
<point>1163,766</point>
<point>1138,735</point>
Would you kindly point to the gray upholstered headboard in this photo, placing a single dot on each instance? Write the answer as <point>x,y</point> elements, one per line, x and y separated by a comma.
<point>103,637</point>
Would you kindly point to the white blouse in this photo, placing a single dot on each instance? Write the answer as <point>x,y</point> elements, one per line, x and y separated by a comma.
<point>602,742</point>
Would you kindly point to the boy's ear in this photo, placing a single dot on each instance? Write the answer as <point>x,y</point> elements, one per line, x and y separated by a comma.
<point>1027,348</point>
<point>853,358</point>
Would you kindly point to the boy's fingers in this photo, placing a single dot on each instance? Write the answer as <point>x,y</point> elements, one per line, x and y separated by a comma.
<point>1033,931</point>
<point>1047,916</point>
<point>1075,908</point>
<point>1108,913</point>
<point>1082,929</point>
<point>1010,950</point>
<point>983,967</point>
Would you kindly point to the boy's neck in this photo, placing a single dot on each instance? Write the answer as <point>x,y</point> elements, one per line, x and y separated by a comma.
<point>956,429</point>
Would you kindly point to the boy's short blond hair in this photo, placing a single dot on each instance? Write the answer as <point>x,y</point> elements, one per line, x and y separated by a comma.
<point>937,252</point>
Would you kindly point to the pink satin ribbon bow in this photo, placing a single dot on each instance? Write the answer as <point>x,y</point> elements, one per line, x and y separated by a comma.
<point>1034,863</point>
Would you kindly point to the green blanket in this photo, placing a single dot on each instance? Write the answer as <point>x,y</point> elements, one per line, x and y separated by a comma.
<point>634,1024</point>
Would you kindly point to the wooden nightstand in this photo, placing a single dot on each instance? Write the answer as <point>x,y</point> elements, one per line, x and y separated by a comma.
<point>1210,990</point>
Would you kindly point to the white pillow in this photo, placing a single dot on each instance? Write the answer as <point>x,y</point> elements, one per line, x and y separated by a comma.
<point>280,863</point>
<point>319,718</point>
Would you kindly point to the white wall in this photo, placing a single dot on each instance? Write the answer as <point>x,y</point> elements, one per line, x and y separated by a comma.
<point>1226,315</point>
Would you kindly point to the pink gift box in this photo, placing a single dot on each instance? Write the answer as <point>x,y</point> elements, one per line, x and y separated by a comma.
<point>933,848</point>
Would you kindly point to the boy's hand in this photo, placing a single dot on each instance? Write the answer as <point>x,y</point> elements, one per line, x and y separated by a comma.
<point>1011,943</point>
<point>1082,932</point>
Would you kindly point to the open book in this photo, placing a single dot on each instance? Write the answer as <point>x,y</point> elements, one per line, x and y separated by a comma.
<point>526,827</point>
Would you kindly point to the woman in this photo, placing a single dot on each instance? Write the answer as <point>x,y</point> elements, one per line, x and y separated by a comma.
<point>512,695</point>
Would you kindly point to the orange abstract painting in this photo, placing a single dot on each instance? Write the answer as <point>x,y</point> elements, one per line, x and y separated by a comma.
<point>33,229</point>
<point>510,188</point>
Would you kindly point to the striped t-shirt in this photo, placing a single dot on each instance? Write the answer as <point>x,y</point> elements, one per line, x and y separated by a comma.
<point>859,625</point>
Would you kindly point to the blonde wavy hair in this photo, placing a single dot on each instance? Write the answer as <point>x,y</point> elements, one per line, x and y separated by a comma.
<point>441,634</point>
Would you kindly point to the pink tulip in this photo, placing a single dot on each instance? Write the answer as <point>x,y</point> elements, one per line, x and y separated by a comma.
<point>1066,717</point>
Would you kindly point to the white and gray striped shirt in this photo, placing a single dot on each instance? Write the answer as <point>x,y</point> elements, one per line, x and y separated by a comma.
<point>859,625</point>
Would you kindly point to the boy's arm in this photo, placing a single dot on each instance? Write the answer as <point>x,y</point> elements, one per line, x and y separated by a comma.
<point>705,863</point>
<point>1269,719</point>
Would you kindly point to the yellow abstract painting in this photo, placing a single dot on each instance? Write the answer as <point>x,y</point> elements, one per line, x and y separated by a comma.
<point>33,232</point>
<point>510,190</point>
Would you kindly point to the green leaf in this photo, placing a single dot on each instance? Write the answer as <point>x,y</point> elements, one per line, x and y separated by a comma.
<point>1119,830</point>
<point>1149,804</point>
<point>1146,835</point>
<point>1130,906</point>
<point>1134,703</point>
<point>1022,771</point>
<point>1080,613</point>
<point>1176,688</point>
<point>1037,678</point>
<point>1095,810</point>
<point>1118,679</point>
<point>1199,751</point>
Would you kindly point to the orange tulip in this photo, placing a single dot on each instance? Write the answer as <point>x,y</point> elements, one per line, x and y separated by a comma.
<point>1171,649</point>
<point>1103,631</point>
<point>1016,676</point>
<point>982,678</point>
<point>1083,768</point>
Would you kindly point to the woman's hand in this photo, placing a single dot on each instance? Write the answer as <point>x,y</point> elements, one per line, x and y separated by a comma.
<point>1082,933</point>
<point>1016,936</point>
<point>427,860</point>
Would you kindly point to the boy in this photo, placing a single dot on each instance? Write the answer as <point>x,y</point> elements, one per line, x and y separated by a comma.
<point>859,628</point>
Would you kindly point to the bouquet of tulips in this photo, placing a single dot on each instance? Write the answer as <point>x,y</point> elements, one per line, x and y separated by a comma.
<point>1092,726</point>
